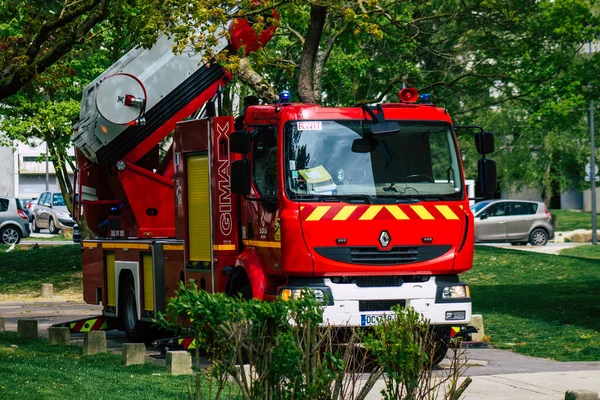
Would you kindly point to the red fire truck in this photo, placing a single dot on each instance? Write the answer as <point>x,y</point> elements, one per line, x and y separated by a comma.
<point>365,206</point>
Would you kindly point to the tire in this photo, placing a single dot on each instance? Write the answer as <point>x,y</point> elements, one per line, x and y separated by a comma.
<point>441,337</point>
<point>246,292</point>
<point>134,328</point>
<point>538,237</point>
<point>10,235</point>
<point>34,226</point>
<point>52,227</point>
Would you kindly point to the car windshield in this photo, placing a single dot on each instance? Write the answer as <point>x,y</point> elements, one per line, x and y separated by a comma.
<point>343,160</point>
<point>58,200</point>
<point>478,206</point>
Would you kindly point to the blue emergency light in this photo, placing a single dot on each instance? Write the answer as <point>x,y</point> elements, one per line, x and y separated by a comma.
<point>284,97</point>
<point>426,98</point>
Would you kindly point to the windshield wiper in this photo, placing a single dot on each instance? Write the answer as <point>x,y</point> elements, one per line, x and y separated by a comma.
<point>349,198</point>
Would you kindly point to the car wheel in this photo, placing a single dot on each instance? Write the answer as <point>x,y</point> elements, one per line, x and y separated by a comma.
<point>10,235</point>
<point>441,341</point>
<point>134,328</point>
<point>538,237</point>
<point>52,227</point>
<point>34,226</point>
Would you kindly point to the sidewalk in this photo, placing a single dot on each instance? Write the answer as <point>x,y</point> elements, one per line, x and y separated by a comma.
<point>532,386</point>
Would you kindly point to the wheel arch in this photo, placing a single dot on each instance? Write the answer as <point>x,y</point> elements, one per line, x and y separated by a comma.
<point>124,269</point>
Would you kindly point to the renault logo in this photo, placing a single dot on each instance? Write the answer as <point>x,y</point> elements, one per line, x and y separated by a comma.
<point>384,238</point>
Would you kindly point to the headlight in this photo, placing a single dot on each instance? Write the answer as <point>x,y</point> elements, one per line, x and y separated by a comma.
<point>456,292</point>
<point>322,295</point>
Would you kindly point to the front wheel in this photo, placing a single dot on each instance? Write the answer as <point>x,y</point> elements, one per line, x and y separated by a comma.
<point>440,337</point>
<point>538,237</point>
<point>134,328</point>
<point>10,235</point>
<point>52,227</point>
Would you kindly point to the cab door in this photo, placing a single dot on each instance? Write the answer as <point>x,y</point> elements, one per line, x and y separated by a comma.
<point>261,230</point>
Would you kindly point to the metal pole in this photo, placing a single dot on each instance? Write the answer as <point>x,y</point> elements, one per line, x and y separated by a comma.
<point>593,170</point>
<point>47,170</point>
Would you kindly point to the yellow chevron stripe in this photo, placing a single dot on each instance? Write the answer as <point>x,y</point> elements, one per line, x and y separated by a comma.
<point>89,323</point>
<point>371,212</point>
<point>446,212</point>
<point>125,246</point>
<point>396,212</point>
<point>344,213</point>
<point>422,212</point>
<point>318,213</point>
<point>88,245</point>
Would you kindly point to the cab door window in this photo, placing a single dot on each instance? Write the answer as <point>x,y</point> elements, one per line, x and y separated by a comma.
<point>265,160</point>
<point>496,210</point>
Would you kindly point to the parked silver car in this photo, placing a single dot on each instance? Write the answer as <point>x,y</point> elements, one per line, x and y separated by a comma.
<point>14,223</point>
<point>51,212</point>
<point>514,221</point>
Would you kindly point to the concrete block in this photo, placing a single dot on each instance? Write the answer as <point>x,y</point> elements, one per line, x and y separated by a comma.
<point>27,328</point>
<point>94,342</point>
<point>59,335</point>
<point>477,322</point>
<point>179,362</point>
<point>581,395</point>
<point>2,326</point>
<point>47,290</point>
<point>134,353</point>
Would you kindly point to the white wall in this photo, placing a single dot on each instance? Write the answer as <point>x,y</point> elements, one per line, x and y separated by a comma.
<point>7,172</point>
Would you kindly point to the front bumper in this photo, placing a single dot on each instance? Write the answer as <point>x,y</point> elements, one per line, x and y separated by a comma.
<point>65,223</point>
<point>353,305</point>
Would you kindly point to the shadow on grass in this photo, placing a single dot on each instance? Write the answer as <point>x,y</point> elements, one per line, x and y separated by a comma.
<point>555,303</point>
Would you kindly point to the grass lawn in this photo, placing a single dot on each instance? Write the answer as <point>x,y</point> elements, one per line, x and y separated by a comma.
<point>592,252</point>
<point>538,304</point>
<point>565,220</point>
<point>22,271</point>
<point>33,369</point>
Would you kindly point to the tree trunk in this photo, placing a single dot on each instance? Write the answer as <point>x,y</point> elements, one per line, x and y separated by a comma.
<point>306,89</point>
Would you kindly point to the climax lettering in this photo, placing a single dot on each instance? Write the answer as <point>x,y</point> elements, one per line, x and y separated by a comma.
<point>225,207</point>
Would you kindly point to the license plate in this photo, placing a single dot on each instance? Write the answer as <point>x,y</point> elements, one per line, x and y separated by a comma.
<point>370,320</point>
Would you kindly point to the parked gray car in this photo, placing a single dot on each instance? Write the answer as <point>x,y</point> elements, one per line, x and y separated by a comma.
<point>514,221</point>
<point>51,212</point>
<point>14,223</point>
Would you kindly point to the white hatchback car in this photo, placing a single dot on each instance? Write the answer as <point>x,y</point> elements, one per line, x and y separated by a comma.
<point>514,221</point>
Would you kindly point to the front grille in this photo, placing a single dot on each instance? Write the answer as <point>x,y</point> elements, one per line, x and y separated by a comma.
<point>370,281</point>
<point>374,256</point>
<point>379,305</point>
<point>370,255</point>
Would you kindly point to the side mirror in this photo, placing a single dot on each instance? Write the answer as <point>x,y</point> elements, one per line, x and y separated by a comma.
<point>241,177</point>
<point>47,205</point>
<point>486,176</point>
<point>484,215</point>
<point>385,128</point>
<point>364,145</point>
<point>484,141</point>
<point>240,142</point>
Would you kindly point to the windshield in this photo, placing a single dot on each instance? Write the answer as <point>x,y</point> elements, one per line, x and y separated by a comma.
<point>478,206</point>
<point>342,159</point>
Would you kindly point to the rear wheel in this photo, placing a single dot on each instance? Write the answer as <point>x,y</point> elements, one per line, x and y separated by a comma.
<point>10,235</point>
<point>52,227</point>
<point>538,237</point>
<point>134,328</point>
<point>34,226</point>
